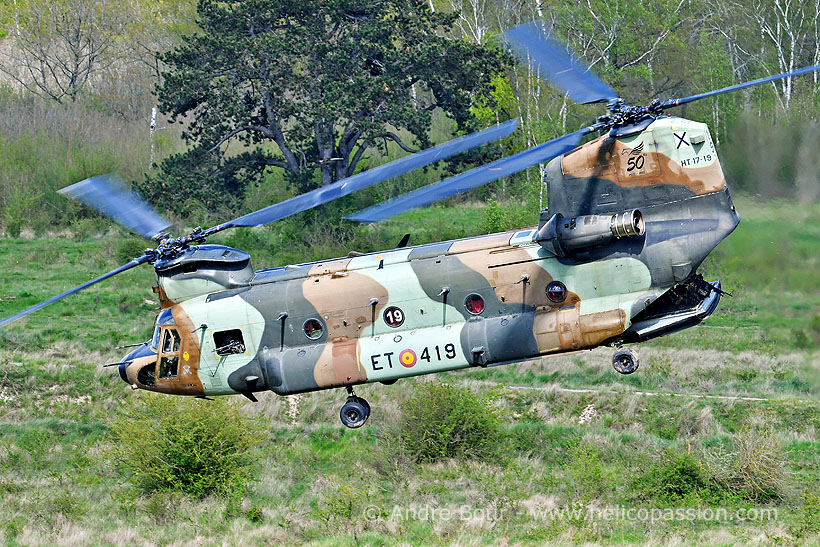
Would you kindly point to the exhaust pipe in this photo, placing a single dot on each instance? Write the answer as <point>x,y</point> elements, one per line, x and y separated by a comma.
<point>563,237</point>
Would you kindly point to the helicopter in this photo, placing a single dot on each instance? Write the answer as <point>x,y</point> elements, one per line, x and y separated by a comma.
<point>613,260</point>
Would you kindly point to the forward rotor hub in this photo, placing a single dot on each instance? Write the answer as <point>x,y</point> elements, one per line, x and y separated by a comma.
<point>621,114</point>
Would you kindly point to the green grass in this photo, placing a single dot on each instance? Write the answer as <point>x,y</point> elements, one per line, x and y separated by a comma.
<point>56,404</point>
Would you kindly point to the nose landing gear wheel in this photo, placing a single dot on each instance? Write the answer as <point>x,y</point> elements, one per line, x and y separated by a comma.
<point>625,361</point>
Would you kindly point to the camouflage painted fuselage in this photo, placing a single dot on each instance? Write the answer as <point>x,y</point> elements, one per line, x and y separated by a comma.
<point>213,298</point>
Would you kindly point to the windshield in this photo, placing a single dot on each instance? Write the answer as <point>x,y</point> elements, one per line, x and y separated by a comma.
<point>166,318</point>
<point>155,339</point>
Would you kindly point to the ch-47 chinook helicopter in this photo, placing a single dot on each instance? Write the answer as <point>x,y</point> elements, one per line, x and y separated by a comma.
<point>613,260</point>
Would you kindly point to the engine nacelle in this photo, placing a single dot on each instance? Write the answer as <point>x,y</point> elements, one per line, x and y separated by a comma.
<point>201,269</point>
<point>566,236</point>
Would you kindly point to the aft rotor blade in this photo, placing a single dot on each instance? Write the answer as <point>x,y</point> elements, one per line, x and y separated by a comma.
<point>550,60</point>
<point>684,100</point>
<point>108,195</point>
<point>471,179</point>
<point>360,181</point>
<point>136,262</point>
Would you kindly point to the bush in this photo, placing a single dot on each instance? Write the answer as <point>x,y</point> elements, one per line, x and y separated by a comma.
<point>494,219</point>
<point>754,470</point>
<point>128,248</point>
<point>176,444</point>
<point>588,476</point>
<point>442,421</point>
<point>678,478</point>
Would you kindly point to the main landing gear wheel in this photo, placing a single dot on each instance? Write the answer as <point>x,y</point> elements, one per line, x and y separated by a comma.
<point>355,411</point>
<point>625,361</point>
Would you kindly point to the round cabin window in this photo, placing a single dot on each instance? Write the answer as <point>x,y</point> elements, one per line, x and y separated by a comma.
<point>474,303</point>
<point>556,292</point>
<point>313,329</point>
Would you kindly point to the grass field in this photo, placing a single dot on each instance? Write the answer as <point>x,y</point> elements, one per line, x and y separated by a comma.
<point>582,445</point>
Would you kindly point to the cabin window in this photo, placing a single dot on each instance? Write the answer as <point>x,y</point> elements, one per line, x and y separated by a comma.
<point>556,292</point>
<point>313,329</point>
<point>474,303</point>
<point>229,342</point>
<point>169,359</point>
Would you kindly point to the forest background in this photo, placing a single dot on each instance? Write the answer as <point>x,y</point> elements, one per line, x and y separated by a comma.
<point>79,81</point>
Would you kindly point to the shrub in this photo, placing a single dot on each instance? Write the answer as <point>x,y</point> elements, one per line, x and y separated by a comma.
<point>128,248</point>
<point>339,506</point>
<point>168,444</point>
<point>589,477</point>
<point>755,468</point>
<point>348,509</point>
<point>494,219</point>
<point>442,421</point>
<point>678,478</point>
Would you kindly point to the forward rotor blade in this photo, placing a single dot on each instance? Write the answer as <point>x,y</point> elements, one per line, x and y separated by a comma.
<point>550,60</point>
<point>471,179</point>
<point>136,262</point>
<point>360,181</point>
<point>108,195</point>
<point>684,100</point>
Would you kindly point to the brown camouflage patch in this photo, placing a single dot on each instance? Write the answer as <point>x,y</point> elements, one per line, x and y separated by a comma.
<point>329,267</point>
<point>701,180</point>
<point>343,300</point>
<point>134,368</point>
<point>478,243</point>
<point>187,381</point>
<point>597,327</point>
<point>565,329</point>
<point>593,159</point>
<point>610,159</point>
<point>339,365</point>
<point>323,372</point>
<point>504,269</point>
<point>164,301</point>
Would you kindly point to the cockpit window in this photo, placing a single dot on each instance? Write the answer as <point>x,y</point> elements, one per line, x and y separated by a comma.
<point>155,339</point>
<point>166,318</point>
<point>171,342</point>
<point>169,359</point>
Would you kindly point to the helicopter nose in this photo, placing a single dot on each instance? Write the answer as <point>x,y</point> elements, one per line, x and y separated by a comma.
<point>121,369</point>
<point>143,350</point>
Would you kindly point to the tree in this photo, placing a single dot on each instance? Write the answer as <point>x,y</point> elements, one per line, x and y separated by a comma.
<point>61,49</point>
<point>58,45</point>
<point>314,84</point>
<point>788,25</point>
